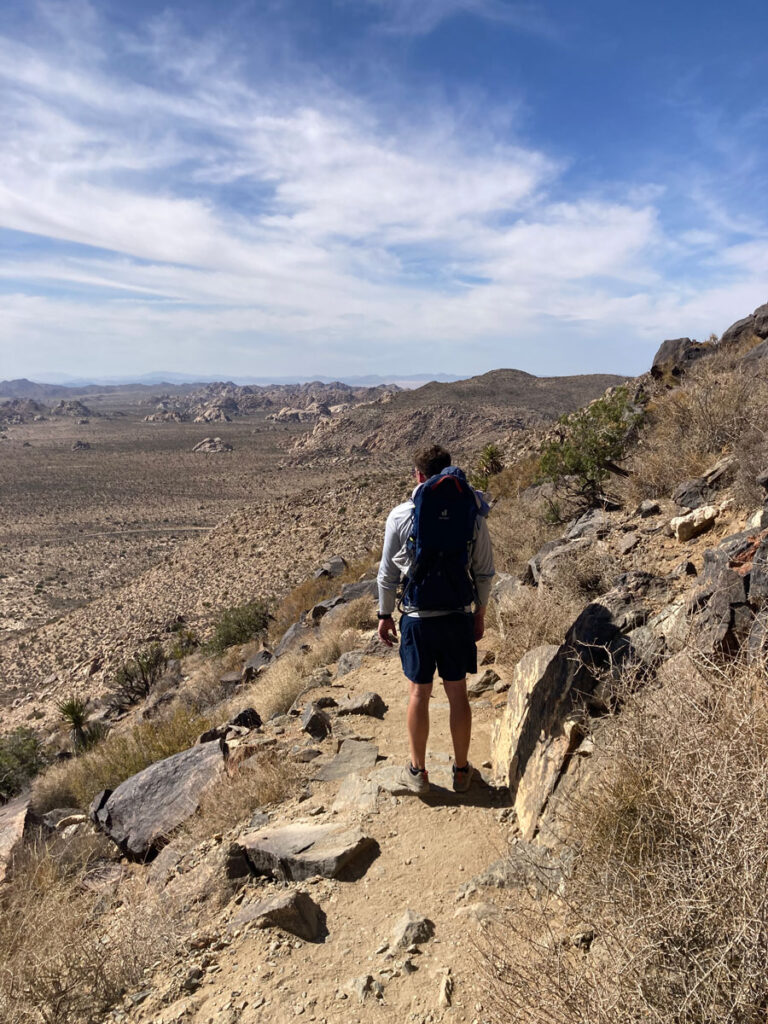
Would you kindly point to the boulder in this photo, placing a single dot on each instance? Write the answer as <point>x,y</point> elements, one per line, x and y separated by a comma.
<point>349,662</point>
<point>756,354</point>
<point>248,718</point>
<point>364,704</point>
<point>335,566</point>
<point>412,929</point>
<point>675,355</point>
<point>293,911</point>
<point>300,850</point>
<point>363,588</point>
<point>692,494</point>
<point>738,332</point>
<point>13,818</point>
<point>487,681</point>
<point>256,665</point>
<point>315,722</point>
<point>535,734</point>
<point>212,445</point>
<point>354,757</point>
<point>145,809</point>
<point>647,508</point>
<point>691,525</point>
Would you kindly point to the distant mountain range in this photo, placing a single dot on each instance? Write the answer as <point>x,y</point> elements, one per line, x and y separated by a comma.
<point>14,388</point>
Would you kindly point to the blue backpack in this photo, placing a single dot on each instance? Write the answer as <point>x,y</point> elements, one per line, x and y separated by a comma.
<point>440,543</point>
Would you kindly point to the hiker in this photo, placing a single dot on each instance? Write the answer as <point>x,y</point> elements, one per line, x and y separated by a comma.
<point>438,540</point>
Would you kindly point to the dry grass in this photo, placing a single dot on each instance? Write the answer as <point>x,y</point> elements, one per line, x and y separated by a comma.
<point>261,780</point>
<point>718,408</point>
<point>518,529</point>
<point>75,783</point>
<point>312,591</point>
<point>530,617</point>
<point>514,479</point>
<point>671,872</point>
<point>69,949</point>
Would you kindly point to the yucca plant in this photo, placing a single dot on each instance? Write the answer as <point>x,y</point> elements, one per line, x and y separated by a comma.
<point>75,712</point>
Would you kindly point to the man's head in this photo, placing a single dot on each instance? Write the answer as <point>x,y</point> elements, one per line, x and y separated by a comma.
<point>430,461</point>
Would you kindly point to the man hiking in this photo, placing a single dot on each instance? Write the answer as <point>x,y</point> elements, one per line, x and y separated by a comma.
<point>438,540</point>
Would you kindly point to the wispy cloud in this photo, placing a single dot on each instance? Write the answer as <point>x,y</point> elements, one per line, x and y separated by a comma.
<point>404,17</point>
<point>201,214</point>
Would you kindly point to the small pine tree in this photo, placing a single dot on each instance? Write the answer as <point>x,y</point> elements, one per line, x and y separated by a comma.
<point>591,440</point>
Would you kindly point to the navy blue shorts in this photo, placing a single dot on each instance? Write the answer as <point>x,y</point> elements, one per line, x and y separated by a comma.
<point>445,642</point>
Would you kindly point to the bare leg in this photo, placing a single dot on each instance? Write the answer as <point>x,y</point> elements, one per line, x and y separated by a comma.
<point>418,722</point>
<point>460,719</point>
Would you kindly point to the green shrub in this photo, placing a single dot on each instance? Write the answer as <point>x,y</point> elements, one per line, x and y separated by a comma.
<point>239,625</point>
<point>590,441</point>
<point>134,679</point>
<point>21,758</point>
<point>185,641</point>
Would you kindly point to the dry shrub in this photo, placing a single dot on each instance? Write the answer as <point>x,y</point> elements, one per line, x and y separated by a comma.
<point>75,783</point>
<point>718,408</point>
<point>530,617</point>
<point>518,529</point>
<point>514,479</point>
<point>312,591</point>
<point>581,574</point>
<point>671,871</point>
<point>69,950</point>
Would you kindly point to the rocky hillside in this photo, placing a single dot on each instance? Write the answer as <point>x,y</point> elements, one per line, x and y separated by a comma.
<point>464,415</point>
<point>240,846</point>
<point>222,402</point>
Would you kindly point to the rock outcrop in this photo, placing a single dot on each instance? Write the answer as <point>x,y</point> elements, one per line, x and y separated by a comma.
<point>143,811</point>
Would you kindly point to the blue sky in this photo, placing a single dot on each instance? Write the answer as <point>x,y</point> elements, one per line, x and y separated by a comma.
<point>336,187</point>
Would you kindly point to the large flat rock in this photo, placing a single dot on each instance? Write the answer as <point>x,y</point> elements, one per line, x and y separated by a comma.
<point>145,809</point>
<point>354,757</point>
<point>13,817</point>
<point>300,850</point>
<point>535,734</point>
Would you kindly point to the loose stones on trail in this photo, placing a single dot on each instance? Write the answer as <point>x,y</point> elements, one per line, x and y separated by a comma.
<point>301,850</point>
<point>293,911</point>
<point>354,756</point>
<point>364,704</point>
<point>412,929</point>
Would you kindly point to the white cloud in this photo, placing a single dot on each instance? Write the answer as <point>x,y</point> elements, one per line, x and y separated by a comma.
<point>214,215</point>
<point>404,17</point>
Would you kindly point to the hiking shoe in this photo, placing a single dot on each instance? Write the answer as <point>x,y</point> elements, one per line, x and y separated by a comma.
<point>462,778</point>
<point>416,783</point>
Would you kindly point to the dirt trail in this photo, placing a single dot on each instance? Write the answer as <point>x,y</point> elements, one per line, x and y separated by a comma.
<point>429,848</point>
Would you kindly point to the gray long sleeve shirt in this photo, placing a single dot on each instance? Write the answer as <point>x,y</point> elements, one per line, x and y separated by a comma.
<point>395,560</point>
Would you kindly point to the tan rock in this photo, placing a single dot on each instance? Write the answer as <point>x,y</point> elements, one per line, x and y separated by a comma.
<point>696,522</point>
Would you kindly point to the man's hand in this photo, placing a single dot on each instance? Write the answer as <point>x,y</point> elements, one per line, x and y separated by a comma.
<point>479,624</point>
<point>387,631</point>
